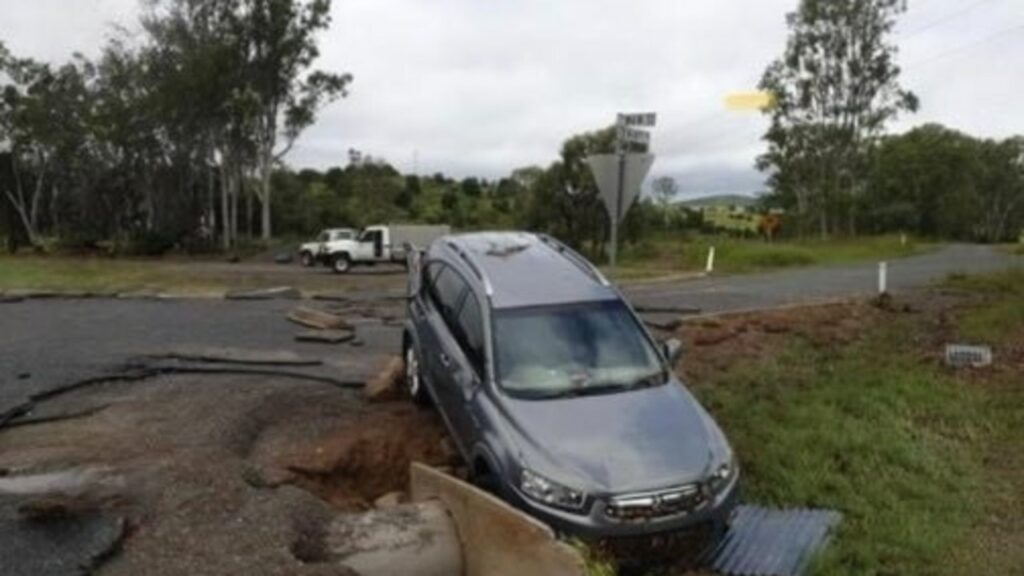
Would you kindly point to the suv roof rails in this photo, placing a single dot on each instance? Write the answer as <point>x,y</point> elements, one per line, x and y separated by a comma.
<point>574,257</point>
<point>472,266</point>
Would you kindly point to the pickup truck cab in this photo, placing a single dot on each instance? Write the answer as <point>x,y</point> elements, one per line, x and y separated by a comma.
<point>380,244</point>
<point>312,252</point>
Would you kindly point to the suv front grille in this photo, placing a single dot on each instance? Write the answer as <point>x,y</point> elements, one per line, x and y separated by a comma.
<point>643,506</point>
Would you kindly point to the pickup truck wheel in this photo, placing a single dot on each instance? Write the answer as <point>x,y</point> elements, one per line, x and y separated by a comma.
<point>341,263</point>
<point>307,260</point>
<point>413,380</point>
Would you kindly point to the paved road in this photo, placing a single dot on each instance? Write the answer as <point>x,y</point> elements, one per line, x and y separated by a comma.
<point>49,343</point>
<point>46,343</point>
<point>758,291</point>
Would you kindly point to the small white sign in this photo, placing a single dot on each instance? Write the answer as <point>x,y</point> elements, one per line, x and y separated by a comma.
<point>634,136</point>
<point>647,119</point>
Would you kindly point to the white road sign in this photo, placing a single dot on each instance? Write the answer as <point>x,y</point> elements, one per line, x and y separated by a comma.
<point>644,119</point>
<point>634,136</point>
<point>606,172</point>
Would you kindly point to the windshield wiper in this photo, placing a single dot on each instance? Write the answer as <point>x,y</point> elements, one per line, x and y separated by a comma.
<point>646,381</point>
<point>592,390</point>
<point>649,381</point>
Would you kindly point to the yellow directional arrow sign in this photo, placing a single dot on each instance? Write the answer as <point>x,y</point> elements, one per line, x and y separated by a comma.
<point>757,100</point>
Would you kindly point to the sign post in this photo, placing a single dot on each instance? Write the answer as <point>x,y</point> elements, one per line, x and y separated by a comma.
<point>620,175</point>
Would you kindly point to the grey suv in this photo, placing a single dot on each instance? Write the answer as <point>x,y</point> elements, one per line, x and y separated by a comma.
<point>554,392</point>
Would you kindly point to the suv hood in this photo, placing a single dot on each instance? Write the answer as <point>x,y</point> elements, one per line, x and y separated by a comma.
<point>638,440</point>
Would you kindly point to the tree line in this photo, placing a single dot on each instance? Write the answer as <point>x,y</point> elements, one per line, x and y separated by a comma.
<point>178,138</point>
<point>170,137</point>
<point>830,163</point>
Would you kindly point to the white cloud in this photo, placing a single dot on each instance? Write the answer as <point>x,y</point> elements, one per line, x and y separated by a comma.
<point>482,87</point>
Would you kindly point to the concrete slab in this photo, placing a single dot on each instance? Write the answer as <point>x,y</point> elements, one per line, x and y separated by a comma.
<point>497,539</point>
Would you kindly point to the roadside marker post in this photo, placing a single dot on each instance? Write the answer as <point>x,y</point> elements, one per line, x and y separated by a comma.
<point>711,261</point>
<point>883,273</point>
<point>620,175</point>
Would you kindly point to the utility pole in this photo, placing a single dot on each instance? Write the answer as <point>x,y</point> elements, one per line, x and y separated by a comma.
<point>620,150</point>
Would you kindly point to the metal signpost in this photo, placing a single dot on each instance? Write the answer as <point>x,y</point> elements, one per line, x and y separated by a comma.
<point>620,175</point>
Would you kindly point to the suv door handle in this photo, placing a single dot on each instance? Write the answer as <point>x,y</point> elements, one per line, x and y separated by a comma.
<point>445,360</point>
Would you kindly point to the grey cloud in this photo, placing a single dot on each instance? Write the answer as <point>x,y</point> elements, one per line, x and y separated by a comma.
<point>471,87</point>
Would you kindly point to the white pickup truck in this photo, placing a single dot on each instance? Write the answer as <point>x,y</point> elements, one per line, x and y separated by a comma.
<point>312,252</point>
<point>380,244</point>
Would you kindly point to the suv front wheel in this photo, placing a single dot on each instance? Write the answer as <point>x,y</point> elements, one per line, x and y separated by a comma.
<point>413,378</point>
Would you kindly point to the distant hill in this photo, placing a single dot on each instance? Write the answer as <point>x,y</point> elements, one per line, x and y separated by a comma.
<point>719,200</point>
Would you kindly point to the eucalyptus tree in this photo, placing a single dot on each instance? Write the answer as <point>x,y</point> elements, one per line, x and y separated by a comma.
<point>836,88</point>
<point>287,92</point>
<point>42,116</point>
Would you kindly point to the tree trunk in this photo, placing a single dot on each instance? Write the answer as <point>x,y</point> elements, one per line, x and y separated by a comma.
<point>234,205</point>
<point>210,222</point>
<point>225,206</point>
<point>265,196</point>
<point>248,211</point>
<point>55,207</point>
<point>26,221</point>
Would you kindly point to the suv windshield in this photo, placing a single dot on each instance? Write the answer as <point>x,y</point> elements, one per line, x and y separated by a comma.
<point>592,348</point>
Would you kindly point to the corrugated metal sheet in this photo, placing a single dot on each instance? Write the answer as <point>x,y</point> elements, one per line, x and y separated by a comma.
<point>772,542</point>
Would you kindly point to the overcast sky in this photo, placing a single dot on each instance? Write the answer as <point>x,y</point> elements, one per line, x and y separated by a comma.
<point>480,87</point>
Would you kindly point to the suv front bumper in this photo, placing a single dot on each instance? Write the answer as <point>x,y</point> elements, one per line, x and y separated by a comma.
<point>595,523</point>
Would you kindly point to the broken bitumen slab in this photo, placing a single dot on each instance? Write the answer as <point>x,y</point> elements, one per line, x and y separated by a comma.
<point>325,336</point>
<point>63,543</point>
<point>279,292</point>
<point>362,297</point>
<point>318,319</point>
<point>771,541</point>
<point>238,356</point>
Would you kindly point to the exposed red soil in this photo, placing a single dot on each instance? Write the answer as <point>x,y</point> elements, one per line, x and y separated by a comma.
<point>368,455</point>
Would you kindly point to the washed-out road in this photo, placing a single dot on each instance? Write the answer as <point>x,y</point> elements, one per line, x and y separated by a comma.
<point>51,342</point>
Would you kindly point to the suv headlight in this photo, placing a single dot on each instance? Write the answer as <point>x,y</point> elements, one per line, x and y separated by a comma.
<point>550,492</point>
<point>722,474</point>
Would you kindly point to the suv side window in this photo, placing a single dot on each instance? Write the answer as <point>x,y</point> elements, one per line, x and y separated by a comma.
<point>469,331</point>
<point>446,291</point>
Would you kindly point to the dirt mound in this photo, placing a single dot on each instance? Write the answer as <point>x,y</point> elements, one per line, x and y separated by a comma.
<point>717,343</point>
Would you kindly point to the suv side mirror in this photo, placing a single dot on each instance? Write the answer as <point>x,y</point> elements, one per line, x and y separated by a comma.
<point>673,350</point>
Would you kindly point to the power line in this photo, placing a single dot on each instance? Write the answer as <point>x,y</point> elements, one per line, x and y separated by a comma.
<point>939,21</point>
<point>971,46</point>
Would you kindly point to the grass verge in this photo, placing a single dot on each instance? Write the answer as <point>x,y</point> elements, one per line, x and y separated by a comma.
<point>666,255</point>
<point>60,273</point>
<point>922,461</point>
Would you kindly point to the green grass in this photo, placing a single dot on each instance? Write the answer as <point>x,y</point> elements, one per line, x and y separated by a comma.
<point>666,255</point>
<point>901,446</point>
<point>867,431</point>
<point>1004,312</point>
<point>99,274</point>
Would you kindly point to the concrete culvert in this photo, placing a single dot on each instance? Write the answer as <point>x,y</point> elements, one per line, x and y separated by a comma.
<point>418,539</point>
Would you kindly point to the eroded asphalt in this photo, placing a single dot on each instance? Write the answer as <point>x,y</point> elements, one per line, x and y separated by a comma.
<point>183,463</point>
<point>51,342</point>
